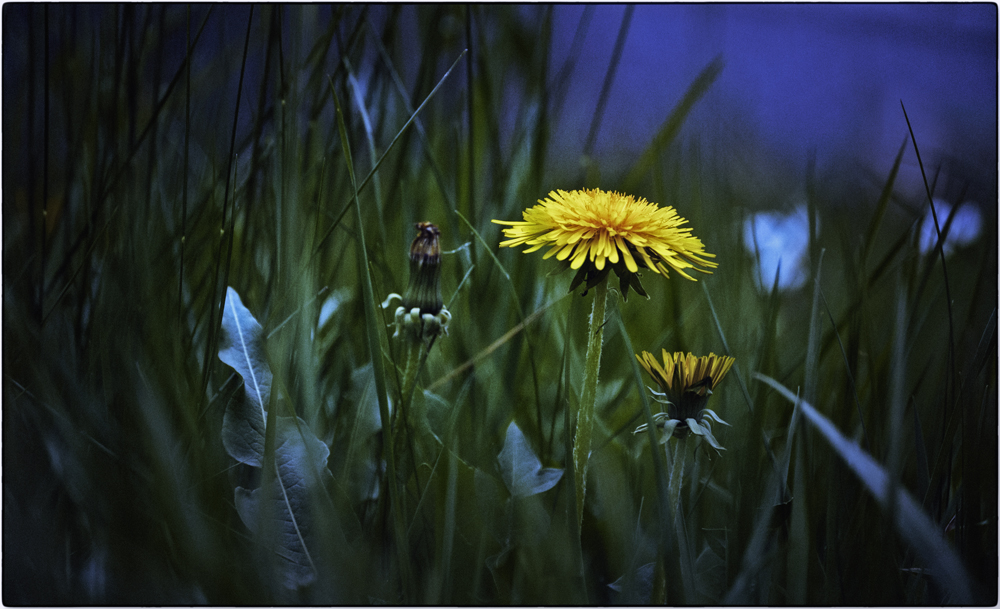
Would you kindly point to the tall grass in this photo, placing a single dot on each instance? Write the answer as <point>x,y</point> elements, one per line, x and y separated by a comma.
<point>136,190</point>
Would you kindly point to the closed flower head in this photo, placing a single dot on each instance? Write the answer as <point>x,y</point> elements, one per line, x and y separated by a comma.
<point>422,314</point>
<point>424,289</point>
<point>594,232</point>
<point>685,383</point>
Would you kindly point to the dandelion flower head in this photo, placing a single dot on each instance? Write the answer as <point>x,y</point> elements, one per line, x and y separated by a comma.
<point>594,232</point>
<point>686,382</point>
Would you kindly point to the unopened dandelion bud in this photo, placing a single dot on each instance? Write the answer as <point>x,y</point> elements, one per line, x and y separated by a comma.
<point>424,289</point>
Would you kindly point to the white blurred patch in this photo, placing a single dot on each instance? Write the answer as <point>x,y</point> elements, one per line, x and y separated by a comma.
<point>779,240</point>
<point>965,226</point>
<point>332,303</point>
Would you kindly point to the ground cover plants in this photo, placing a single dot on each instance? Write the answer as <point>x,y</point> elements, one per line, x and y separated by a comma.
<point>263,345</point>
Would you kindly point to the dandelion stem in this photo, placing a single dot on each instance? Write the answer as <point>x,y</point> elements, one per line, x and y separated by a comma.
<point>585,416</point>
<point>402,426</point>
<point>410,372</point>
<point>677,475</point>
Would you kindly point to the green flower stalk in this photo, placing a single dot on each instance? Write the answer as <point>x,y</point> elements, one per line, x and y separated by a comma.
<point>594,232</point>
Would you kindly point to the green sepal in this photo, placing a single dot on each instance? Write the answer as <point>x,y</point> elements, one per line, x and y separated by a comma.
<point>710,414</point>
<point>704,430</point>
<point>668,430</point>
<point>587,273</point>
<point>660,397</point>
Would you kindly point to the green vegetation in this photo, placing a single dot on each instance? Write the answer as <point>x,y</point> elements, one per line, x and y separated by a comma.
<point>290,160</point>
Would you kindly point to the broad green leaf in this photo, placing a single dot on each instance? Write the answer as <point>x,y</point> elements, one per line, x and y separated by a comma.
<point>300,460</point>
<point>299,456</point>
<point>241,346</point>
<point>636,587</point>
<point>521,470</point>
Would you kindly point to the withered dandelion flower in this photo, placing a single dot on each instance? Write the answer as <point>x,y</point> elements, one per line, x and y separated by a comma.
<point>422,314</point>
<point>424,288</point>
<point>594,232</point>
<point>685,382</point>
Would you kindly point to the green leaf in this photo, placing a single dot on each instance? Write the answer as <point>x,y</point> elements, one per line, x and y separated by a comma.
<point>300,461</point>
<point>241,346</point>
<point>521,470</point>
<point>281,504</point>
<point>636,587</point>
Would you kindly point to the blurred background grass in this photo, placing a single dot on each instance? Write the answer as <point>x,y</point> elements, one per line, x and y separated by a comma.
<point>154,154</point>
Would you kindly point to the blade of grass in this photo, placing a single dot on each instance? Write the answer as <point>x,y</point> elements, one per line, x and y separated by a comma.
<point>815,333</point>
<point>672,125</point>
<point>109,186</point>
<point>940,249</point>
<point>847,369</point>
<point>609,78</point>
<point>520,315</point>
<point>361,186</point>
<point>913,525</point>
<point>397,81</point>
<point>798,537</point>
<point>375,352</point>
<point>880,206</point>
<point>736,371</point>
<point>212,344</point>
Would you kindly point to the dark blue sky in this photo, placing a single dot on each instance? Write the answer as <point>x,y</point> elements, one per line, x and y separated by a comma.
<point>805,78</point>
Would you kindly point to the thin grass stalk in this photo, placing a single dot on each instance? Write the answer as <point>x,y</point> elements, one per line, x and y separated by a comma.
<point>105,188</point>
<point>30,144</point>
<point>375,351</point>
<point>847,369</point>
<point>520,314</point>
<point>371,174</point>
<point>609,78</point>
<point>585,414</point>
<point>897,403</point>
<point>444,595</point>
<point>211,344</point>
<point>470,118</point>
<point>940,250</point>
<point>45,163</point>
<point>736,370</point>
<point>184,169</point>
<point>912,523</point>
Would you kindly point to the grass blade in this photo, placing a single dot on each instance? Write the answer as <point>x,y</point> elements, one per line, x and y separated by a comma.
<point>913,525</point>
<point>672,125</point>
<point>375,352</point>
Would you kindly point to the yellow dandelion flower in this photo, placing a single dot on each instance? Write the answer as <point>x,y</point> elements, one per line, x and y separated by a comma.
<point>686,382</point>
<point>594,232</point>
